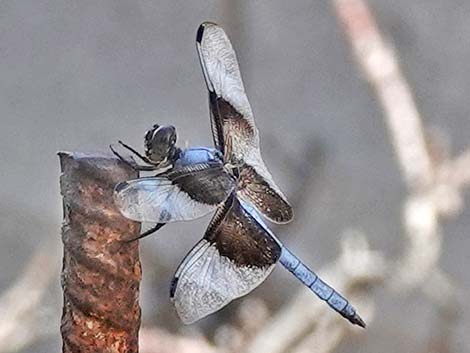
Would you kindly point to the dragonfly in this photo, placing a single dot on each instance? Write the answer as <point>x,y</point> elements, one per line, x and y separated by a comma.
<point>238,250</point>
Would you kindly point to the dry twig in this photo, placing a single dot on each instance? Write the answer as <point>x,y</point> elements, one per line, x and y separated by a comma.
<point>429,185</point>
<point>380,65</point>
<point>434,186</point>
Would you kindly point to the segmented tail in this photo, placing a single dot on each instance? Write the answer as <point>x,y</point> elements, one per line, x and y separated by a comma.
<point>335,300</point>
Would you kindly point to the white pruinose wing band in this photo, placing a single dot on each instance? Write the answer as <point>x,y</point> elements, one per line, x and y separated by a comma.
<point>207,281</point>
<point>222,75</point>
<point>156,199</point>
<point>220,68</point>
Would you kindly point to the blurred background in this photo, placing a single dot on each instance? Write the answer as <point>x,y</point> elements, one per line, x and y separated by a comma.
<point>77,76</point>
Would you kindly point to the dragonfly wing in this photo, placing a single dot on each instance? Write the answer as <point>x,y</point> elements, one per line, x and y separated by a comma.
<point>257,187</point>
<point>157,200</point>
<point>180,195</point>
<point>233,126</point>
<point>231,115</point>
<point>234,257</point>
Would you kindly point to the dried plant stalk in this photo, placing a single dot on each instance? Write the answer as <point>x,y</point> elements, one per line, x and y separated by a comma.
<point>101,273</point>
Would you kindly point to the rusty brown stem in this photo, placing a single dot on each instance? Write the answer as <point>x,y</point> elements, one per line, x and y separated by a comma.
<point>101,274</point>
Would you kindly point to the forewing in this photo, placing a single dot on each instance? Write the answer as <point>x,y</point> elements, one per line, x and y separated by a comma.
<point>232,121</point>
<point>233,127</point>
<point>184,195</point>
<point>234,257</point>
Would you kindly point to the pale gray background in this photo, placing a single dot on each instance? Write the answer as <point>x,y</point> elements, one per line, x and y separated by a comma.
<point>78,75</point>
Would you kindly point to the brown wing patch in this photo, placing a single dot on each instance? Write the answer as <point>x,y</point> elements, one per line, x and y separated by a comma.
<point>239,237</point>
<point>255,189</point>
<point>207,183</point>
<point>216,123</point>
<point>228,124</point>
<point>235,121</point>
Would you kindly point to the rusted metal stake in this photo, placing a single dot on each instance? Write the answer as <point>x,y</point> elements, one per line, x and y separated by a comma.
<point>101,274</point>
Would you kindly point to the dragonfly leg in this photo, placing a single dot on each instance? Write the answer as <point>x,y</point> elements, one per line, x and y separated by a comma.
<point>145,159</point>
<point>133,164</point>
<point>147,232</point>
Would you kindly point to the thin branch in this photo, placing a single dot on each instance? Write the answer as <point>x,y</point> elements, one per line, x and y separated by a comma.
<point>430,185</point>
<point>380,65</point>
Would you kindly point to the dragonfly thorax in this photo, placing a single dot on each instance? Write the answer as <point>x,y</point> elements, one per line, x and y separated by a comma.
<point>198,155</point>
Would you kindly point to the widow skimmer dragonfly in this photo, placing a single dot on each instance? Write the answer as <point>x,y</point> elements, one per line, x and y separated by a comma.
<point>238,251</point>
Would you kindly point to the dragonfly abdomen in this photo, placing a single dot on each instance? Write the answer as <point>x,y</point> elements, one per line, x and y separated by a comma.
<point>335,300</point>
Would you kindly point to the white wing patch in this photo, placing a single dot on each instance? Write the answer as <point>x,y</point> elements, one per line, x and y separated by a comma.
<point>220,69</point>
<point>222,75</point>
<point>206,282</point>
<point>157,200</point>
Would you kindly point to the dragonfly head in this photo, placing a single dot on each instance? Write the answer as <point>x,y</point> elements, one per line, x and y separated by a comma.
<point>160,144</point>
